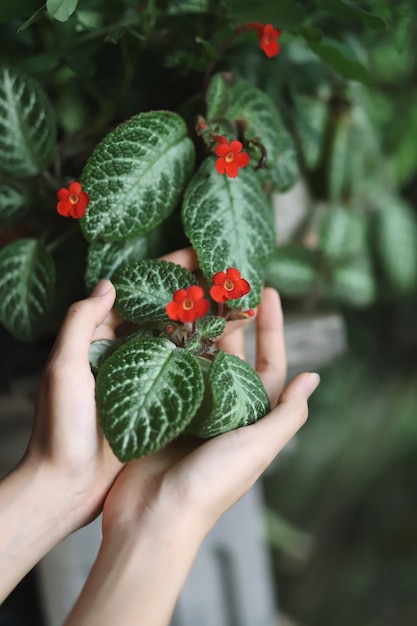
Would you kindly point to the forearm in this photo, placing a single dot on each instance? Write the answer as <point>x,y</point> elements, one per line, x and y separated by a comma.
<point>35,515</point>
<point>138,575</point>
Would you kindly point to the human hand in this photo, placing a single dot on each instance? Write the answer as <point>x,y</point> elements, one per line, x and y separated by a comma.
<point>198,480</point>
<point>66,435</point>
<point>161,506</point>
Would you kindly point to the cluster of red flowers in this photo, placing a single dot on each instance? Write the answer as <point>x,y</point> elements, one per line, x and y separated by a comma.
<point>72,201</point>
<point>190,304</point>
<point>267,36</point>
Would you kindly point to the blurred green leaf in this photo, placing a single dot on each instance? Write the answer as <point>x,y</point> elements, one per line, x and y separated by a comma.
<point>27,125</point>
<point>396,229</point>
<point>35,17</point>
<point>27,277</point>
<point>342,58</point>
<point>61,10</point>
<point>353,283</point>
<point>347,10</point>
<point>292,270</point>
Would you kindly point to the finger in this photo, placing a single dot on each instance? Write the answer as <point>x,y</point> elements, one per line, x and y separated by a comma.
<point>271,433</point>
<point>186,258</point>
<point>81,322</point>
<point>233,340</point>
<point>271,361</point>
<point>106,330</point>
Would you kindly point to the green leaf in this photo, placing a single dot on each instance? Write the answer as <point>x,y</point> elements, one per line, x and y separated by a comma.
<point>310,116</point>
<point>136,175</point>
<point>237,397</point>
<point>261,120</point>
<point>343,233</point>
<point>145,288</point>
<point>101,349</point>
<point>354,284</point>
<point>184,7</point>
<point>207,329</point>
<point>217,98</point>
<point>348,10</point>
<point>396,231</point>
<point>13,201</point>
<point>292,270</point>
<point>229,223</point>
<point>27,125</point>
<point>342,58</point>
<point>211,326</point>
<point>147,392</point>
<point>285,14</point>
<point>98,352</point>
<point>27,277</point>
<point>35,17</point>
<point>61,10</point>
<point>104,258</point>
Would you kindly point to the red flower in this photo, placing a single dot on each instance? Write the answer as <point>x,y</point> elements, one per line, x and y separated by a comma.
<point>228,285</point>
<point>72,201</point>
<point>188,305</point>
<point>268,36</point>
<point>231,157</point>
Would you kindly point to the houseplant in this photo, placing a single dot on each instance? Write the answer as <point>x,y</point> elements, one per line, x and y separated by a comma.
<point>170,123</point>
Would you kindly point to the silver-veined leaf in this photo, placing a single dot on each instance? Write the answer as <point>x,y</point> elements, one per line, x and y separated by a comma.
<point>237,397</point>
<point>13,201</point>
<point>27,125</point>
<point>144,289</point>
<point>262,120</point>
<point>27,278</point>
<point>229,223</point>
<point>136,175</point>
<point>147,392</point>
<point>217,97</point>
<point>104,258</point>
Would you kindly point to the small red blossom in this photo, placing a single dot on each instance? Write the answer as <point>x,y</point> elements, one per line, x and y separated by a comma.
<point>228,285</point>
<point>231,156</point>
<point>188,305</point>
<point>72,201</point>
<point>267,36</point>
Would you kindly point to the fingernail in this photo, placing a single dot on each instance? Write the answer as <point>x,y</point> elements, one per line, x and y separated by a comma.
<point>311,383</point>
<point>101,288</point>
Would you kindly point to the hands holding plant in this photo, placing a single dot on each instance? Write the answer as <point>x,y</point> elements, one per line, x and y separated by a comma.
<point>171,497</point>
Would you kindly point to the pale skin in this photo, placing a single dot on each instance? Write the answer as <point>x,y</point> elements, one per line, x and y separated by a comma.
<point>156,510</point>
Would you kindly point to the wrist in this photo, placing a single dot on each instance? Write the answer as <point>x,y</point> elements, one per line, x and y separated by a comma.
<point>35,515</point>
<point>139,572</point>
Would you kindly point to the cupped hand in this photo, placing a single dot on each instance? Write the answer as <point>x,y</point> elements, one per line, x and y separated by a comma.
<point>66,436</point>
<point>200,480</point>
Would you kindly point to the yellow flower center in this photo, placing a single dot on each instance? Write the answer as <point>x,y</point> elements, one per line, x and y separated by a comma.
<point>73,198</point>
<point>187,304</point>
<point>229,157</point>
<point>228,284</point>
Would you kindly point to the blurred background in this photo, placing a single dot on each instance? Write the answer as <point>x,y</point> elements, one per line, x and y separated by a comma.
<point>341,502</point>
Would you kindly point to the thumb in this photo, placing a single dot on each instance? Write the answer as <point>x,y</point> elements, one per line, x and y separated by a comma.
<point>81,321</point>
